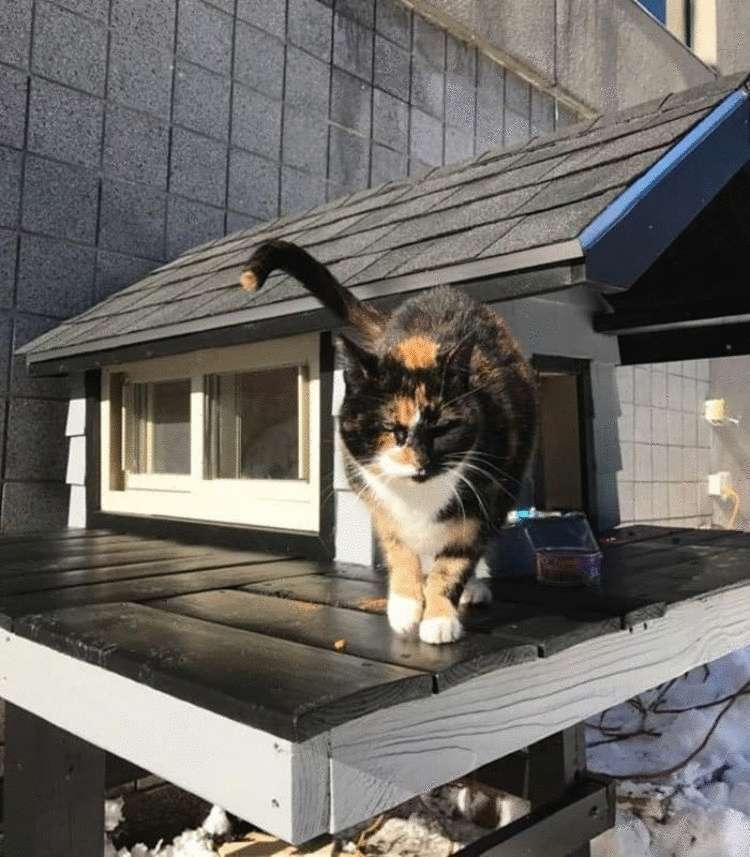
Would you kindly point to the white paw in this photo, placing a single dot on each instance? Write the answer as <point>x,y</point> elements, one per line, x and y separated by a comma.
<point>443,629</point>
<point>404,614</point>
<point>476,592</point>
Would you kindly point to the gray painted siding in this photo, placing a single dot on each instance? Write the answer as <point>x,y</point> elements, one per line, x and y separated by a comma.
<point>131,130</point>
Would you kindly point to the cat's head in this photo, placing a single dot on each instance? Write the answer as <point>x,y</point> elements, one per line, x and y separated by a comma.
<point>409,413</point>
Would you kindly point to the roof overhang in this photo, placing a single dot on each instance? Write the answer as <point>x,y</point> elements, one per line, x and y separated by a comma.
<point>624,245</point>
<point>537,271</point>
<point>631,233</point>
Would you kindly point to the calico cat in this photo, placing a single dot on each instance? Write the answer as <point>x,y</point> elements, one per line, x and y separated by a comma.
<point>437,427</point>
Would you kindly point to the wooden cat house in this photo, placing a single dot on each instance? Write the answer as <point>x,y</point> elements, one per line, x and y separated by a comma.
<point>212,614</point>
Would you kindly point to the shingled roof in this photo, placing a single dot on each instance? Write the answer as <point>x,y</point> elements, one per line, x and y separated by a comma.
<point>506,218</point>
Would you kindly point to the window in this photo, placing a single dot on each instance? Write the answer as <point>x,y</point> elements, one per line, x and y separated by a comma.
<point>692,22</point>
<point>227,435</point>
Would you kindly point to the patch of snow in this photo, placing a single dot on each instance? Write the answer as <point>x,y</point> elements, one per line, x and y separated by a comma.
<point>190,843</point>
<point>703,809</point>
<point>216,824</point>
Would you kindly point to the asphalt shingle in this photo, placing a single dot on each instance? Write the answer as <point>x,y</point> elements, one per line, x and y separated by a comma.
<point>537,193</point>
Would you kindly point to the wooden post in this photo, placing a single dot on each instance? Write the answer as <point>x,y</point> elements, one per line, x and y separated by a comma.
<point>555,763</point>
<point>53,790</point>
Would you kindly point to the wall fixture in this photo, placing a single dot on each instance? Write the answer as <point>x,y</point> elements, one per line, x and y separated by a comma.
<point>715,413</point>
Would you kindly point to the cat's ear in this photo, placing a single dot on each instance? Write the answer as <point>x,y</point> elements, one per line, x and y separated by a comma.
<point>459,358</point>
<point>360,365</point>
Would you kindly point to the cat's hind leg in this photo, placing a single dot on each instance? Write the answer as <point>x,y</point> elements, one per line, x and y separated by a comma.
<point>477,591</point>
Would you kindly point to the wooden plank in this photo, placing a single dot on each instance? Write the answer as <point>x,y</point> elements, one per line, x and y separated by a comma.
<point>550,628</point>
<point>101,560</point>
<point>366,595</point>
<point>53,790</point>
<point>268,683</point>
<point>34,536</point>
<point>380,761</point>
<point>365,635</point>
<point>66,547</point>
<point>27,583</point>
<point>630,609</point>
<point>628,535</point>
<point>279,785</point>
<point>161,586</point>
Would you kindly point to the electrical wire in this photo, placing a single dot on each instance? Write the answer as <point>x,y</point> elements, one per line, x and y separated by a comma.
<point>730,494</point>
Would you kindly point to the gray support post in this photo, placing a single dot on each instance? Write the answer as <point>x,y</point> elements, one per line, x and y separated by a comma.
<point>53,790</point>
<point>555,764</point>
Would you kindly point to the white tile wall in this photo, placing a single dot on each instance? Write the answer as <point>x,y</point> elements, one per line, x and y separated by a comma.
<point>664,472</point>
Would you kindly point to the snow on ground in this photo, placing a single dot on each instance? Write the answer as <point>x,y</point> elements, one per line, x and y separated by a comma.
<point>191,843</point>
<point>702,810</point>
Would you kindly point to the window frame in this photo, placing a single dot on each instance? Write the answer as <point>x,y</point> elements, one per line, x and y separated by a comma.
<point>265,503</point>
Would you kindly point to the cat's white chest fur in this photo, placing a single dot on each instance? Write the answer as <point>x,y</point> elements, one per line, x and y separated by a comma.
<point>416,506</point>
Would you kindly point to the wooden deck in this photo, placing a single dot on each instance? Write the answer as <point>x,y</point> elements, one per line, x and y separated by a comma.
<point>220,671</point>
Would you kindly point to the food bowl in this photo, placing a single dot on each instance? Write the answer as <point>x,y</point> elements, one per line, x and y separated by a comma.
<point>568,566</point>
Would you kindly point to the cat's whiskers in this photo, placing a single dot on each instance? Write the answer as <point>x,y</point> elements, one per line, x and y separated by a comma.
<point>470,484</point>
<point>493,479</point>
<point>475,456</point>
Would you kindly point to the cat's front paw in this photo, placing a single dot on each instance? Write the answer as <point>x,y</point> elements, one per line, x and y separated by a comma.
<point>441,629</point>
<point>476,592</point>
<point>404,614</point>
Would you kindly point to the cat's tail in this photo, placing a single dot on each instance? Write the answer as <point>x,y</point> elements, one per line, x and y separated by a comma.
<point>314,276</point>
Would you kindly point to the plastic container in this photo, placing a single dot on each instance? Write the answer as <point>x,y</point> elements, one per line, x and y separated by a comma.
<point>556,549</point>
<point>562,566</point>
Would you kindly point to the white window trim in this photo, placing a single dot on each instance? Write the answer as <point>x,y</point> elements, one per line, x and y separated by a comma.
<point>268,503</point>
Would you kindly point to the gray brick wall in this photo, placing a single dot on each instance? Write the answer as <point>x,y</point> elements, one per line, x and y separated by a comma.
<point>133,129</point>
<point>665,444</point>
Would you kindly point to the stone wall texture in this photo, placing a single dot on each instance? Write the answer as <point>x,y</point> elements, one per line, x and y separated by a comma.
<point>133,129</point>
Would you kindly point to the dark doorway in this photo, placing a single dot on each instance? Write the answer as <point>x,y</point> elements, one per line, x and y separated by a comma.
<point>564,474</point>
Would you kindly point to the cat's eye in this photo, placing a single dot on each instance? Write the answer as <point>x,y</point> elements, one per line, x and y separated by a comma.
<point>399,433</point>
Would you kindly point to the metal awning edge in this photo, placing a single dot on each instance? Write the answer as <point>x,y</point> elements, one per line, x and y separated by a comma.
<point>653,210</point>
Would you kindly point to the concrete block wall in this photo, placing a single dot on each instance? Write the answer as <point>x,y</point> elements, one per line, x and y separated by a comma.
<point>133,129</point>
<point>665,444</point>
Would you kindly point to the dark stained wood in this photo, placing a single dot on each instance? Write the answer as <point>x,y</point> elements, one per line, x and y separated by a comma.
<point>122,556</point>
<point>26,583</point>
<point>36,536</point>
<point>631,608</point>
<point>47,549</point>
<point>53,790</point>
<point>365,635</point>
<point>367,595</point>
<point>289,542</point>
<point>551,629</point>
<point>162,586</point>
<point>289,689</point>
<point>637,533</point>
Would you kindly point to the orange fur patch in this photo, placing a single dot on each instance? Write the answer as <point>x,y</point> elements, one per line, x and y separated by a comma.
<point>404,410</point>
<point>417,352</point>
<point>406,456</point>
